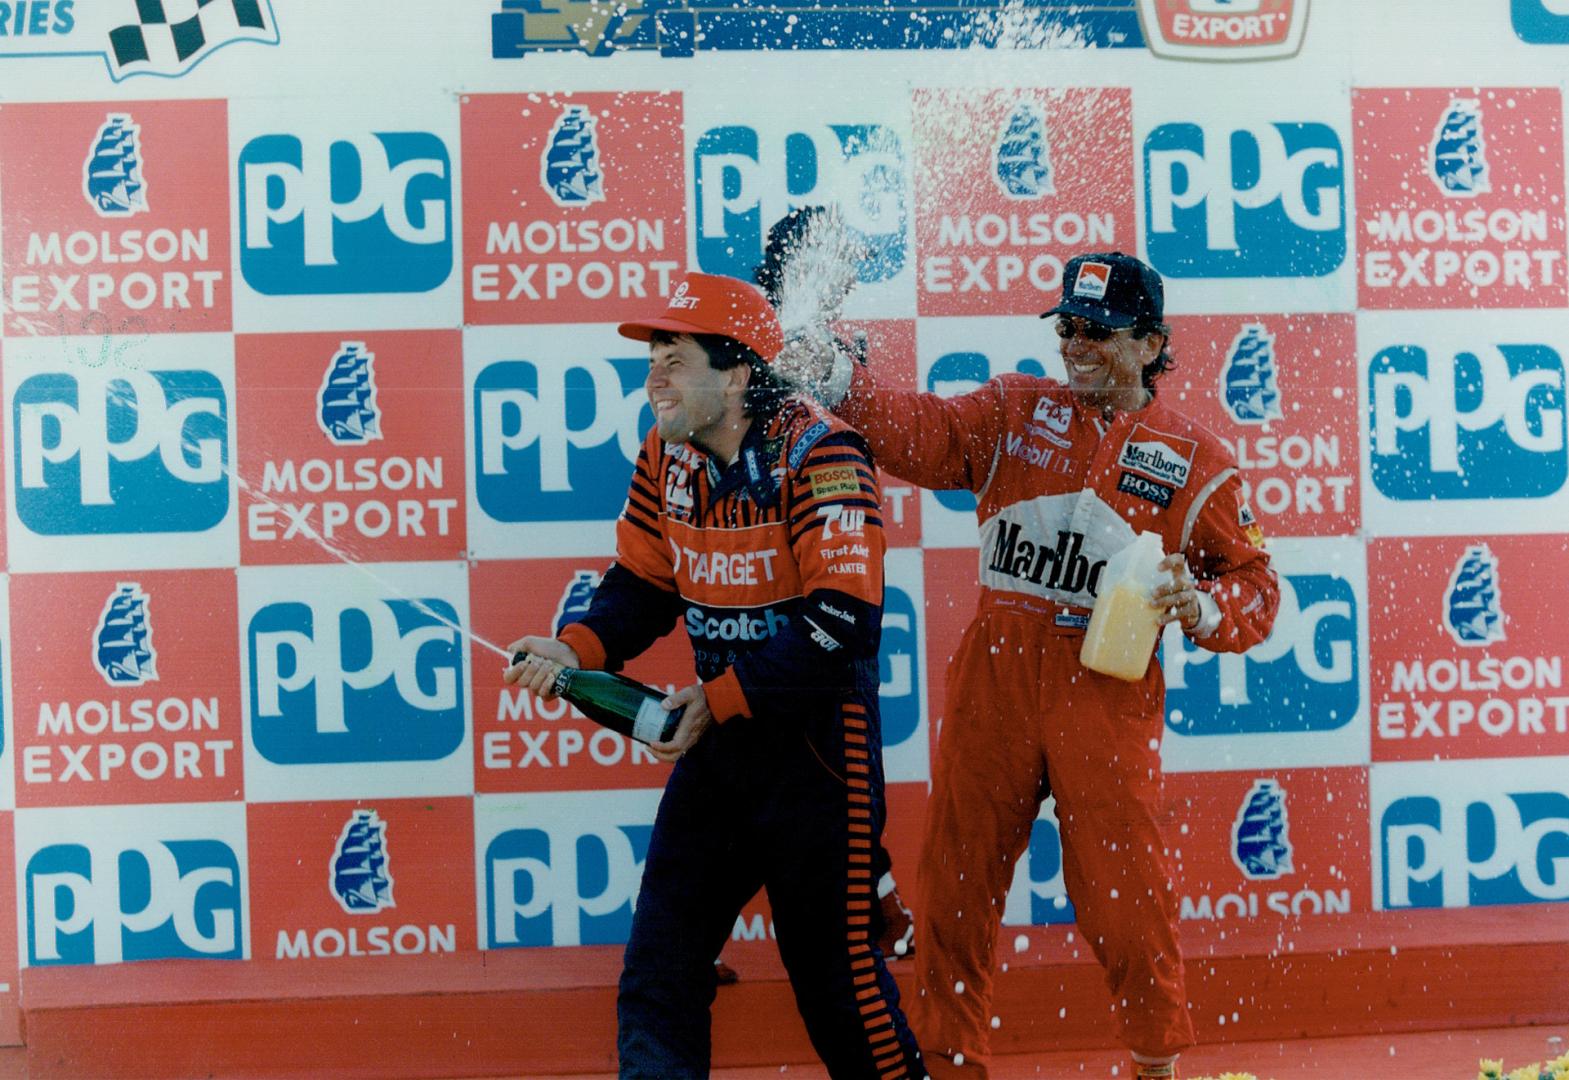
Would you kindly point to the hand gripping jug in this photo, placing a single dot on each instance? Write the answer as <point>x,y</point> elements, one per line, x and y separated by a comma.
<point>1123,626</point>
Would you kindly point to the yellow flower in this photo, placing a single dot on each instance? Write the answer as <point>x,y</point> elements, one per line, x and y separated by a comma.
<point>1490,1069</point>
<point>1526,1072</point>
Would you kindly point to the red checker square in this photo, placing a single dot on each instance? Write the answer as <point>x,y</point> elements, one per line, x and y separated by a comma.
<point>574,204</point>
<point>1281,391</point>
<point>1010,185</point>
<point>351,446</point>
<point>116,217</point>
<point>125,688</point>
<point>1467,650</point>
<point>361,878</point>
<point>523,743</point>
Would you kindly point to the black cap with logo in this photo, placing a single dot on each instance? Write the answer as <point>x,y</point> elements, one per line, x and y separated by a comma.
<point>1111,288</point>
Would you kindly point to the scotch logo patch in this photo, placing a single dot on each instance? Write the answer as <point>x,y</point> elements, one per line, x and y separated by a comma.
<point>835,480</point>
<point>1161,457</point>
<point>1144,488</point>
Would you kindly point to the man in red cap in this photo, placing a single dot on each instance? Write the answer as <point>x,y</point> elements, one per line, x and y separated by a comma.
<point>1065,474</point>
<point>754,520</point>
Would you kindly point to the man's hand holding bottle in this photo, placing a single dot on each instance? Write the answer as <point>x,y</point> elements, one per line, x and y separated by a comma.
<point>540,660</point>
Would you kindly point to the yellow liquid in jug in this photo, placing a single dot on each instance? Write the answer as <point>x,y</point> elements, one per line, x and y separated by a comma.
<point>1121,635</point>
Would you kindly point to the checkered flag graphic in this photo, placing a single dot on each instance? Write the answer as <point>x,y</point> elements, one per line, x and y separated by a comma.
<point>170,36</point>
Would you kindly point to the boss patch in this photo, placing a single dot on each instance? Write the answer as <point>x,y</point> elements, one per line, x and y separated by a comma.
<point>1145,488</point>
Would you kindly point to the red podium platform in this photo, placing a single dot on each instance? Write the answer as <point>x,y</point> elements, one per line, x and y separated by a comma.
<point>531,1012</point>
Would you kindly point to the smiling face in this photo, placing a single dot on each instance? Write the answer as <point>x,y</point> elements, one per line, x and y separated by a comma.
<point>692,402</point>
<point>1109,372</point>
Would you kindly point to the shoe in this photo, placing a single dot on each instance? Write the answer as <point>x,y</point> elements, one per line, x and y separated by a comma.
<point>898,937</point>
<point>725,974</point>
<point>1167,1071</point>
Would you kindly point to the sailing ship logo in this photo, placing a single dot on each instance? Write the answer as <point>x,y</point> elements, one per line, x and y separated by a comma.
<point>112,172</point>
<point>576,598</point>
<point>1258,838</point>
<point>1472,614</point>
<point>1021,158</point>
<point>1457,158</point>
<point>569,167</point>
<point>123,649</point>
<point>346,406</point>
<point>1247,380</point>
<point>360,879</point>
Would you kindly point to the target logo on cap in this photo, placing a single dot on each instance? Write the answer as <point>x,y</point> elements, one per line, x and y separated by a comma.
<point>1092,280</point>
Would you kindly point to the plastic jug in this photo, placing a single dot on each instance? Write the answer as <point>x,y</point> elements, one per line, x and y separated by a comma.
<point>1123,626</point>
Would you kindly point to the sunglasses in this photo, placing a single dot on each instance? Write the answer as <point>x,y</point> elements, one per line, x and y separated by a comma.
<point>1068,328</point>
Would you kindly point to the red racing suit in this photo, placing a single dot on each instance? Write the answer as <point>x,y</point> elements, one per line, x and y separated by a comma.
<point>1060,489</point>
<point>773,563</point>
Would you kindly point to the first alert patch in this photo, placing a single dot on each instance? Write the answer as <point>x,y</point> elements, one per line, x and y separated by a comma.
<point>833,480</point>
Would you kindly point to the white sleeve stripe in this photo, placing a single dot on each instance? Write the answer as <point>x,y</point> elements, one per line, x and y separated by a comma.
<point>1199,500</point>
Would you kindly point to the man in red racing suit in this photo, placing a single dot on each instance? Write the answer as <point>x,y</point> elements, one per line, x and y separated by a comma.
<point>1065,475</point>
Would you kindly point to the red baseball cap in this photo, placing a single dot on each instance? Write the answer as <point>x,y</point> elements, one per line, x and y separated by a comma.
<point>714,304</point>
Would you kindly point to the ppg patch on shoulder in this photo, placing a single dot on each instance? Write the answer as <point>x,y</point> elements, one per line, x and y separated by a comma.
<point>803,446</point>
<point>1144,488</point>
<point>832,480</point>
<point>1072,620</point>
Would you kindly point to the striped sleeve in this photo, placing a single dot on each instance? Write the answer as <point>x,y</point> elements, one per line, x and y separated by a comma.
<point>636,602</point>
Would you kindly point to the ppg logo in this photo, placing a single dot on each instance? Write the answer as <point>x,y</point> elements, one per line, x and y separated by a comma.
<point>1303,677</point>
<point>569,167</point>
<point>1263,201</point>
<point>1259,845</point>
<point>112,172</point>
<point>367,214</point>
<point>178,898</point>
<point>346,409</point>
<point>959,373</point>
<point>1485,425</point>
<point>1472,614</point>
<point>1457,159</point>
<point>1021,158</point>
<point>140,452</point>
<point>361,881</point>
<point>1451,850</point>
<point>123,649</point>
<point>547,438</point>
<point>1247,381</point>
<point>859,167</point>
<point>899,689</point>
<point>343,683</point>
<point>1541,22</point>
<point>563,888</point>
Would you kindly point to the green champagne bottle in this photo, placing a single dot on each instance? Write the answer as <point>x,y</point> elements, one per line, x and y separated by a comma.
<point>623,705</point>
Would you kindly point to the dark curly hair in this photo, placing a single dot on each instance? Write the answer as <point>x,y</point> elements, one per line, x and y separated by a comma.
<point>765,391</point>
<point>1163,362</point>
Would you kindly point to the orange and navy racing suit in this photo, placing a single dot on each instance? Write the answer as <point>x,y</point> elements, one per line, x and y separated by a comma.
<point>1060,487</point>
<point>773,563</point>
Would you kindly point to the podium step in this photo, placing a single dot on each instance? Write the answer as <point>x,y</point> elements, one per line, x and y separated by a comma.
<point>535,1012</point>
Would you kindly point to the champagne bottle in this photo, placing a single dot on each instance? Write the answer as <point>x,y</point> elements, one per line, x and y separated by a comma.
<point>623,705</point>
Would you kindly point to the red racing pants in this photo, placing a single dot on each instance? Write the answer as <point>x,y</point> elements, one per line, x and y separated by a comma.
<point>1025,719</point>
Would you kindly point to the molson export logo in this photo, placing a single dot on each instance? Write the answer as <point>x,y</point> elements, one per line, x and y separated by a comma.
<point>1455,197</point>
<point>1472,666</point>
<point>577,211</point>
<point>1224,29</point>
<point>682,27</point>
<point>1009,186</point>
